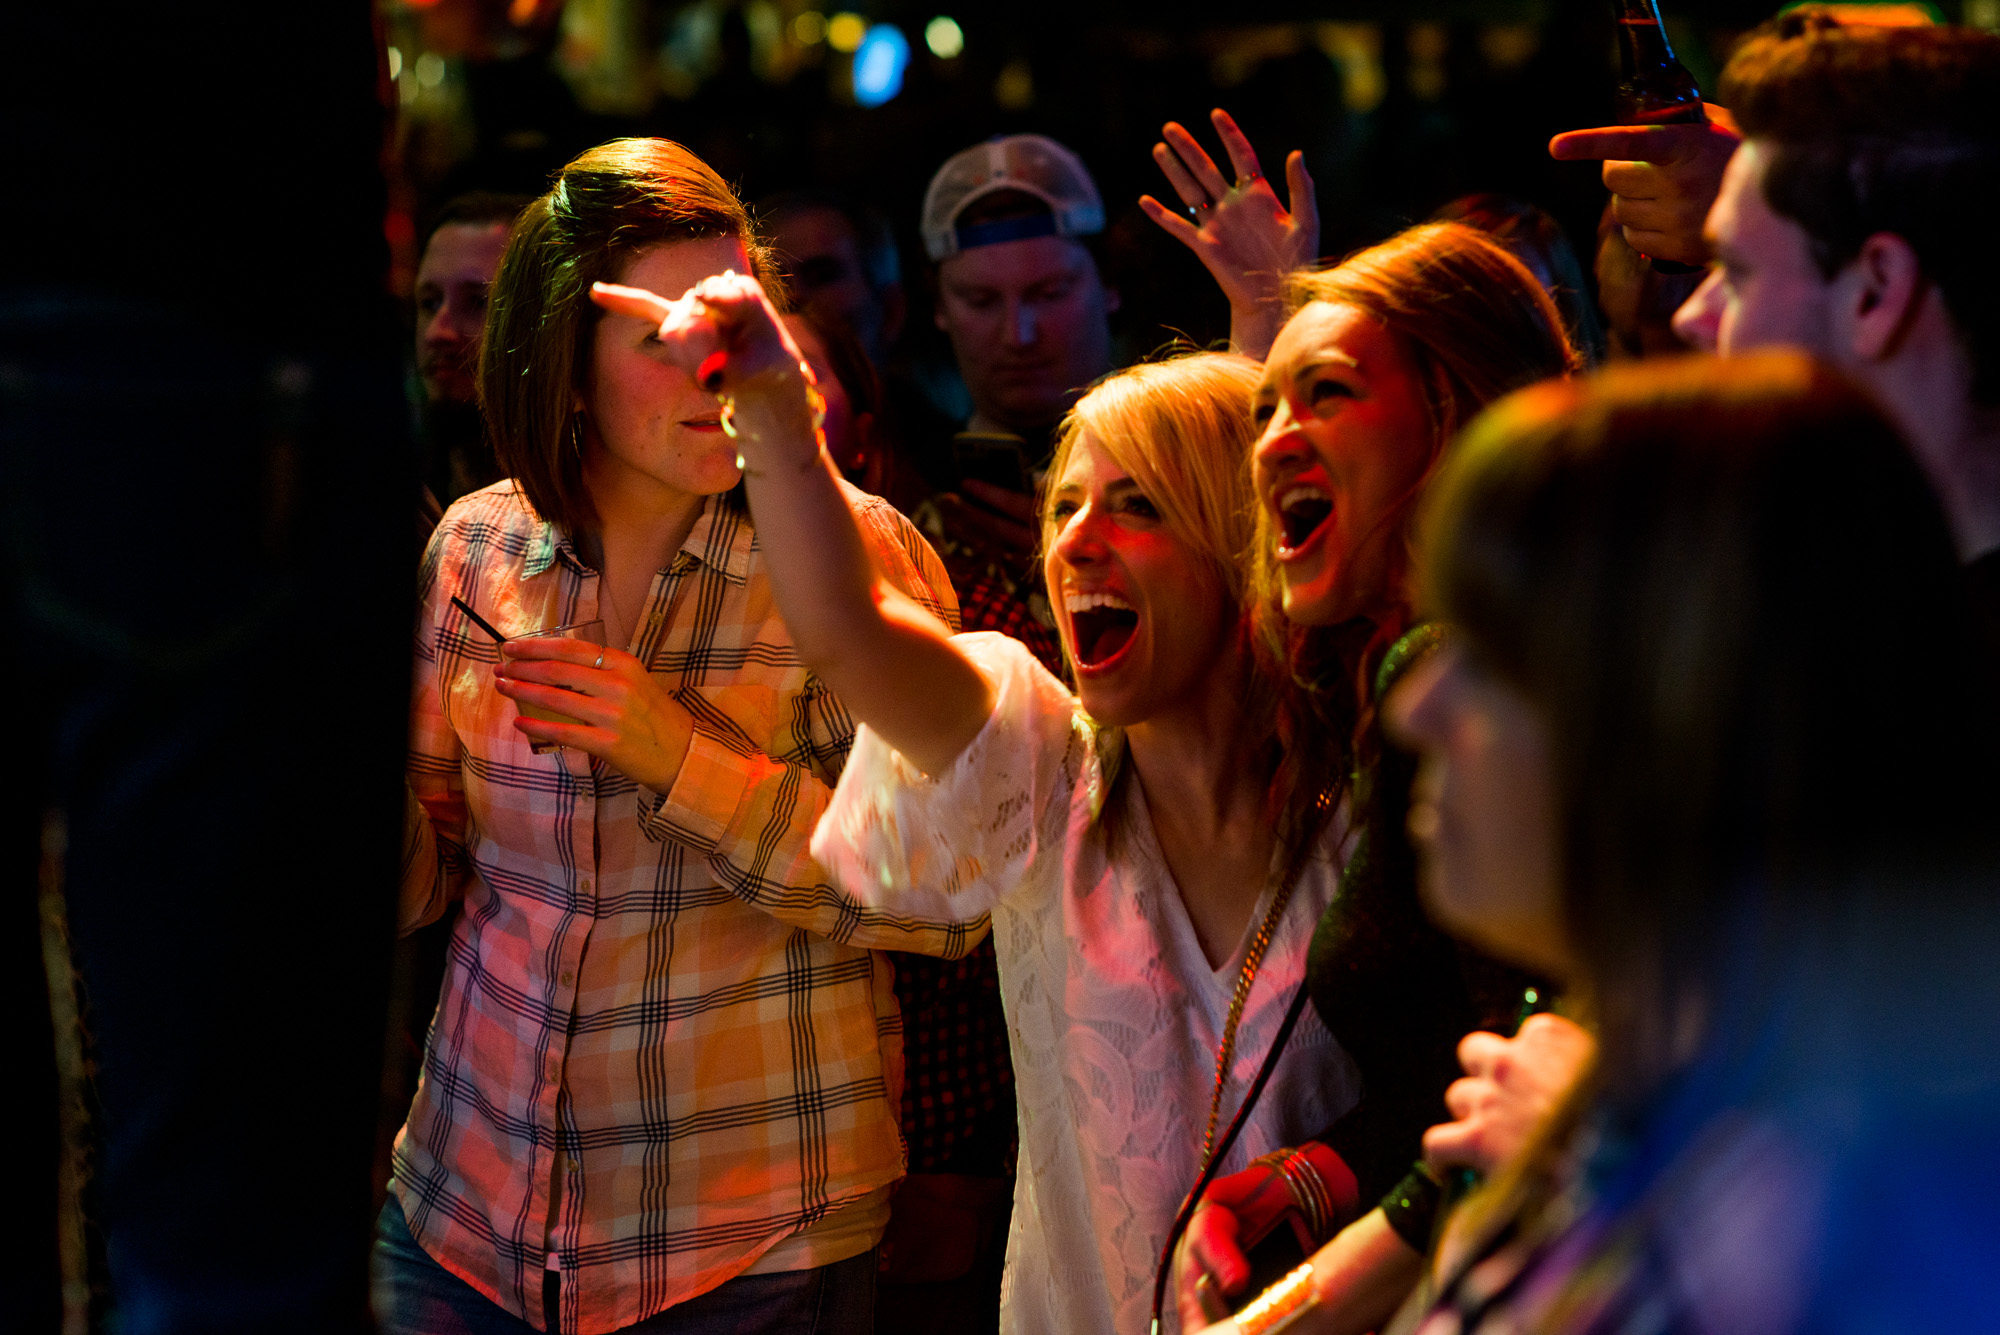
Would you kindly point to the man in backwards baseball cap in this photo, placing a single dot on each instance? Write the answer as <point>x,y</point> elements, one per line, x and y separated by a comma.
<point>1019,294</point>
<point>1024,306</point>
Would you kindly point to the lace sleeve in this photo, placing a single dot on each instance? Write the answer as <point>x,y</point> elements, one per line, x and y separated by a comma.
<point>951,847</point>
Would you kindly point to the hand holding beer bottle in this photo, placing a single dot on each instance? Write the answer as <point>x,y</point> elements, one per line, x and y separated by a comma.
<point>1663,163</point>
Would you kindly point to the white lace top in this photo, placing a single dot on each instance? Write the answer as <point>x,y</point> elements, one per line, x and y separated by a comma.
<point>1113,1011</point>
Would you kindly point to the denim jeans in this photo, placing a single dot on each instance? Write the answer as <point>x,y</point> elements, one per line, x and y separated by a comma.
<point>414,1295</point>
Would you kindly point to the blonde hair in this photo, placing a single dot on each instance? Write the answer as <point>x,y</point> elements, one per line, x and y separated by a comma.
<point>1181,429</point>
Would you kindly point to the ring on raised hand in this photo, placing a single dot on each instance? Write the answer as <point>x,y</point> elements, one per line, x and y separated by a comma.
<point>1251,179</point>
<point>600,659</point>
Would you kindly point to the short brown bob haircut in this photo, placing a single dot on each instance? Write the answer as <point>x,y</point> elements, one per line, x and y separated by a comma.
<point>607,205</point>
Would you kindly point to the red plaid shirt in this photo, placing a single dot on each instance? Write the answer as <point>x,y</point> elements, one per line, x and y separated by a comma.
<point>657,1011</point>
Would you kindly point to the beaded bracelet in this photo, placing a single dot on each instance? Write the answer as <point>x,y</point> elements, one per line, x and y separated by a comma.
<point>1280,1305</point>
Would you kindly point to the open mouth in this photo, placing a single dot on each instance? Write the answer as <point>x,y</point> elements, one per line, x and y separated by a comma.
<point>703,424</point>
<point>1302,512</point>
<point>1103,625</point>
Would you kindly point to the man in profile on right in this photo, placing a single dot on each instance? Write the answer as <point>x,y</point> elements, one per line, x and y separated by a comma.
<point>1854,221</point>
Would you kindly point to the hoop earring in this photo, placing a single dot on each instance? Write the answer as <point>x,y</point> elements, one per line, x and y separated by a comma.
<point>576,434</point>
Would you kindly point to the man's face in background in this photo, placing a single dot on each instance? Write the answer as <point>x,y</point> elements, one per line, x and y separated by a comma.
<point>457,268</point>
<point>1028,321</point>
<point>828,275</point>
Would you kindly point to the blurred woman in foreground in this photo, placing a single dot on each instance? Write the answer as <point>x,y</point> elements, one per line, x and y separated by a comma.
<point>1699,747</point>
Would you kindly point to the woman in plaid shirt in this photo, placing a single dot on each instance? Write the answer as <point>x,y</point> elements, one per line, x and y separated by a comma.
<point>660,1087</point>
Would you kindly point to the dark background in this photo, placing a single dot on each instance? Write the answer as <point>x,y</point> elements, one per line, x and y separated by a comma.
<point>1458,97</point>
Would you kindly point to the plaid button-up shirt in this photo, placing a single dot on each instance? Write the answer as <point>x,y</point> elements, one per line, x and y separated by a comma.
<point>656,1012</point>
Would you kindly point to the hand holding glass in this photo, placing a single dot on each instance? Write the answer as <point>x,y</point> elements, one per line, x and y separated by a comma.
<point>590,632</point>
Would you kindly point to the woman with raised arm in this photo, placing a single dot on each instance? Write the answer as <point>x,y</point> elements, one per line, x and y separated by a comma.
<point>1379,361</point>
<point>661,1081</point>
<point>1152,873</point>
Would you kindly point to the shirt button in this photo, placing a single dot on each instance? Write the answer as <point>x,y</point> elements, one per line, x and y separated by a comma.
<point>568,979</point>
<point>575,1166</point>
<point>586,885</point>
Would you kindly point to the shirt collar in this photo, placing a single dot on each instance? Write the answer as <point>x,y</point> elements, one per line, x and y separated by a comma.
<point>721,539</point>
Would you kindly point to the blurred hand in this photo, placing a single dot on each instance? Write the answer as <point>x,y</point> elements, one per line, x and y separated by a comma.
<point>1240,231</point>
<point>1006,523</point>
<point>1510,1085</point>
<point>1662,179</point>
<point>624,716</point>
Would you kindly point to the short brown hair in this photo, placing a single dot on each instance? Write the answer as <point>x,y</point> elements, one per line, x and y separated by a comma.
<point>607,205</point>
<point>474,208</point>
<point>1878,129</point>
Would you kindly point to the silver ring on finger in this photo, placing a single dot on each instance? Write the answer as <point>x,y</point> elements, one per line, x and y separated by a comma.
<point>600,659</point>
<point>1243,182</point>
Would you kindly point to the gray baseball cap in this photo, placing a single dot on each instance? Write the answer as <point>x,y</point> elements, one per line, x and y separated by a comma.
<point>1031,163</point>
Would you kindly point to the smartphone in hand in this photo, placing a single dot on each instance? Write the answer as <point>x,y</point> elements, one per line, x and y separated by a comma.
<point>995,459</point>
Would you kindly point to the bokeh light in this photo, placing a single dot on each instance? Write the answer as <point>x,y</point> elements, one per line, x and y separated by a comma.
<point>944,37</point>
<point>809,28</point>
<point>846,31</point>
<point>879,65</point>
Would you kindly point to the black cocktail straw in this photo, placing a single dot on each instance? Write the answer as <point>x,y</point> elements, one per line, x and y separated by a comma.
<point>477,619</point>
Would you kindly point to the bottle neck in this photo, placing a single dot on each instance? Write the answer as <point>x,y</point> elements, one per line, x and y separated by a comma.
<point>1642,38</point>
<point>1653,87</point>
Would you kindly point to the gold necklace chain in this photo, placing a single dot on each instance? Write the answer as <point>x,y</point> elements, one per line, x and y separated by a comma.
<point>609,605</point>
<point>1251,962</point>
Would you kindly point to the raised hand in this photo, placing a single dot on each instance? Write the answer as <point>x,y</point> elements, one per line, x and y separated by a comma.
<point>624,716</point>
<point>1662,179</point>
<point>1239,230</point>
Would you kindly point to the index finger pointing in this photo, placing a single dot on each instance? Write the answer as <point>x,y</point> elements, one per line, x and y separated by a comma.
<point>561,648</point>
<point>636,302</point>
<point>1618,142</point>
